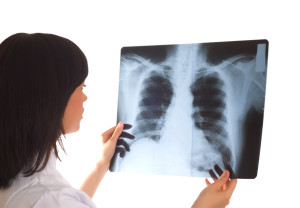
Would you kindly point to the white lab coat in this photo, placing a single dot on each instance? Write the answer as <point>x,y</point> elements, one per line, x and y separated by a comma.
<point>44,190</point>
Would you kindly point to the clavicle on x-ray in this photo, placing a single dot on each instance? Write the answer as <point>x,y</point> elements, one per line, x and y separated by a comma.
<point>191,107</point>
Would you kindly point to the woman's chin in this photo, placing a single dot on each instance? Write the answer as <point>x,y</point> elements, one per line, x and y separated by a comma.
<point>73,130</point>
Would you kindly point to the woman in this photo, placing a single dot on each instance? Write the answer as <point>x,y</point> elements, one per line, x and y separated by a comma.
<point>41,100</point>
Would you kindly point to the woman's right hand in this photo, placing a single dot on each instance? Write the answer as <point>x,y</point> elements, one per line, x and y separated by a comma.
<point>217,194</point>
<point>112,144</point>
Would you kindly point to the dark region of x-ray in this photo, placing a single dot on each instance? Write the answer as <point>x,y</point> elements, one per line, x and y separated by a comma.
<point>191,107</point>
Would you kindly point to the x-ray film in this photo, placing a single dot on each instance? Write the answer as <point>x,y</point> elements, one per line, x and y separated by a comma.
<point>191,107</point>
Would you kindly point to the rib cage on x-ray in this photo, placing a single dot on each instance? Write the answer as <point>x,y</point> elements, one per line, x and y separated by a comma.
<point>192,106</point>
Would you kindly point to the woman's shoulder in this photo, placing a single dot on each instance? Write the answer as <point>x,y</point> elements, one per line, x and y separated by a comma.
<point>42,197</point>
<point>43,190</point>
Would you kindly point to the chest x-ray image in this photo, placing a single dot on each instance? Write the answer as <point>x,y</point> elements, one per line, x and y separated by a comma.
<point>191,107</point>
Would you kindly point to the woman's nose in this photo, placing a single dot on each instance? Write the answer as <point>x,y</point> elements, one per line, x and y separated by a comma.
<point>84,97</point>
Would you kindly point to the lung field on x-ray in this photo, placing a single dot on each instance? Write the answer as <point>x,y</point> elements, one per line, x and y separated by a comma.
<point>156,97</point>
<point>192,106</point>
<point>209,105</point>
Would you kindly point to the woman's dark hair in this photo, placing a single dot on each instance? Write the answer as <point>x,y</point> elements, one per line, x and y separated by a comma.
<point>38,74</point>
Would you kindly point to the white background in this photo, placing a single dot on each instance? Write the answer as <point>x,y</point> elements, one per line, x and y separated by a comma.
<point>101,28</point>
